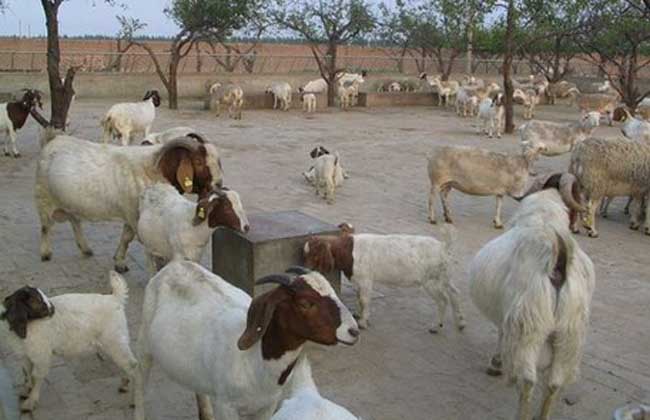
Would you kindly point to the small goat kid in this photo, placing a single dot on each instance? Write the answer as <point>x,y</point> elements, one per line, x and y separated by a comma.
<point>69,325</point>
<point>403,260</point>
<point>198,349</point>
<point>535,284</point>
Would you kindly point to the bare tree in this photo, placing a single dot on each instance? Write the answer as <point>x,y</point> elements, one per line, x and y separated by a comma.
<point>128,28</point>
<point>235,53</point>
<point>325,25</point>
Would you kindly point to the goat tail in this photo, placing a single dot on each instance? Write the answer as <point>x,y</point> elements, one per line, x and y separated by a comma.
<point>120,289</point>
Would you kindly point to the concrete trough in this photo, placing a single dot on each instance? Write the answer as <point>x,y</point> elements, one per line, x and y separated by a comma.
<point>378,99</point>
<point>273,244</point>
<point>263,100</point>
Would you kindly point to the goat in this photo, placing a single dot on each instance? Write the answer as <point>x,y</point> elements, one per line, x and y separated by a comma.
<point>197,350</point>
<point>348,93</point>
<point>80,180</point>
<point>167,135</point>
<point>446,89</point>
<point>529,99</point>
<point>13,116</point>
<point>230,94</point>
<point>596,102</point>
<point>308,102</point>
<point>172,227</point>
<point>612,168</point>
<point>281,92</point>
<point>561,89</point>
<point>478,172</point>
<point>535,284</point>
<point>328,174</point>
<point>403,260</point>
<point>124,119</point>
<point>491,113</point>
<point>634,128</point>
<point>558,138</point>
<point>70,325</point>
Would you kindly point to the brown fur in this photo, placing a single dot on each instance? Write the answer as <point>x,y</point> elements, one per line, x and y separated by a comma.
<point>329,252</point>
<point>558,276</point>
<point>218,212</point>
<point>180,165</point>
<point>18,111</point>
<point>288,316</point>
<point>24,305</point>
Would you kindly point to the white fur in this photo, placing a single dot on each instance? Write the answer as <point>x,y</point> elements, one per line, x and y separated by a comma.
<point>445,89</point>
<point>165,225</point>
<point>7,126</point>
<point>509,283</point>
<point>191,322</point>
<point>529,99</point>
<point>229,94</point>
<point>168,135</point>
<point>128,118</point>
<point>491,117</point>
<point>348,94</point>
<point>82,324</point>
<point>80,180</point>
<point>315,86</point>
<point>309,102</point>
<point>281,92</point>
<point>558,138</point>
<point>328,175</point>
<point>635,128</point>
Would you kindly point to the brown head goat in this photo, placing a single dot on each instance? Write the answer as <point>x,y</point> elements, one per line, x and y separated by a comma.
<point>13,116</point>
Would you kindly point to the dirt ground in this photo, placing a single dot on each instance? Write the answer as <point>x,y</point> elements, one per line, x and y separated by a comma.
<point>398,370</point>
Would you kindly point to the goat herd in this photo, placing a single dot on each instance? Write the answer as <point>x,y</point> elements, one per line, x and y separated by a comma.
<point>244,357</point>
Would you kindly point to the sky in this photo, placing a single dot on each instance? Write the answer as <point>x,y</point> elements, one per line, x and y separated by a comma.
<point>84,17</point>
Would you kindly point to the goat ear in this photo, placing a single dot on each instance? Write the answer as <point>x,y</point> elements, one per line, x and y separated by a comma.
<point>323,258</point>
<point>185,174</point>
<point>16,314</point>
<point>260,313</point>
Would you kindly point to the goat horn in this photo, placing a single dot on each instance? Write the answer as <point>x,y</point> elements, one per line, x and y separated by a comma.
<point>281,279</point>
<point>298,270</point>
<point>567,181</point>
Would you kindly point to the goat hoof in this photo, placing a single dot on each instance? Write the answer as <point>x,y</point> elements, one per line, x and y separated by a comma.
<point>634,226</point>
<point>433,221</point>
<point>593,234</point>
<point>433,330</point>
<point>497,225</point>
<point>88,253</point>
<point>646,231</point>
<point>461,325</point>
<point>448,220</point>
<point>46,257</point>
<point>16,155</point>
<point>7,154</point>
<point>27,406</point>
<point>121,268</point>
<point>492,371</point>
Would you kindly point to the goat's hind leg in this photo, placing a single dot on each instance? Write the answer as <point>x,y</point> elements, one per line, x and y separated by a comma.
<point>79,237</point>
<point>432,204</point>
<point>444,199</point>
<point>205,407</point>
<point>120,255</point>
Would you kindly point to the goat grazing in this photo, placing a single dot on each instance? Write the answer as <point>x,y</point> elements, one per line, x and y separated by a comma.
<point>172,227</point>
<point>197,350</point>
<point>535,284</point>
<point>230,94</point>
<point>68,325</point>
<point>80,180</point>
<point>125,119</point>
<point>281,92</point>
<point>403,260</point>
<point>558,138</point>
<point>13,116</point>
<point>478,172</point>
<point>612,168</point>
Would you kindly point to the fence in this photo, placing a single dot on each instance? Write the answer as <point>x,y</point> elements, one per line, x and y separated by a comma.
<point>36,61</point>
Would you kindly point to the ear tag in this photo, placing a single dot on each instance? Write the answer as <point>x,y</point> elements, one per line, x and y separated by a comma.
<point>201,213</point>
<point>187,182</point>
<point>258,329</point>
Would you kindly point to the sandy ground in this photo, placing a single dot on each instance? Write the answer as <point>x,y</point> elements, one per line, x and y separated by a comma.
<point>398,370</point>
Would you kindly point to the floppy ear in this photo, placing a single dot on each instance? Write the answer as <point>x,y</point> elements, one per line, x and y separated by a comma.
<point>16,315</point>
<point>185,174</point>
<point>259,316</point>
<point>323,258</point>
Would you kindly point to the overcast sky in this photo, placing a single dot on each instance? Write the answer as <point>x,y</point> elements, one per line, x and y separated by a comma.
<point>84,17</point>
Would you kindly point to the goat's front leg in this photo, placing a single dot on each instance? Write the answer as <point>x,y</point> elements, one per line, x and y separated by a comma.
<point>39,372</point>
<point>120,255</point>
<point>550,395</point>
<point>444,199</point>
<point>525,398</point>
<point>80,238</point>
<point>205,407</point>
<point>14,149</point>
<point>495,365</point>
<point>497,218</point>
<point>364,294</point>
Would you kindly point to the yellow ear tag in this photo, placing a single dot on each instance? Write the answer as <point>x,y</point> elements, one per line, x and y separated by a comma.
<point>187,182</point>
<point>201,213</point>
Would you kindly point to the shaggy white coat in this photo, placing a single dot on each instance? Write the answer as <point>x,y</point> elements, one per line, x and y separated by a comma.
<point>128,118</point>
<point>509,283</point>
<point>491,117</point>
<point>168,135</point>
<point>191,322</point>
<point>166,228</point>
<point>309,102</point>
<point>281,92</point>
<point>558,138</point>
<point>82,324</point>
<point>328,174</point>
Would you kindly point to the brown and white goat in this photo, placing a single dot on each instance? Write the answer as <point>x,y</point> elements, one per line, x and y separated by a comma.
<point>13,116</point>
<point>401,260</point>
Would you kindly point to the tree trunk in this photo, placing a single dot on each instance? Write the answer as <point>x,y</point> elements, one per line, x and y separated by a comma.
<point>60,93</point>
<point>470,40</point>
<point>172,86</point>
<point>332,51</point>
<point>507,68</point>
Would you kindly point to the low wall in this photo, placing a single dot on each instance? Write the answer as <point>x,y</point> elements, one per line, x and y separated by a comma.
<point>265,101</point>
<point>378,99</point>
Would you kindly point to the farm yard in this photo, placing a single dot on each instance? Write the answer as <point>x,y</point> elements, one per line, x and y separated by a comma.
<point>185,185</point>
<point>398,369</point>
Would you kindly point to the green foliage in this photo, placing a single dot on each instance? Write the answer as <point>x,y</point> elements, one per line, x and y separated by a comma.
<point>211,18</point>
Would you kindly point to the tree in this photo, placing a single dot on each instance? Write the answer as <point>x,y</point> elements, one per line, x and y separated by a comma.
<point>124,40</point>
<point>198,19</point>
<point>236,53</point>
<point>329,22</point>
<point>618,43</point>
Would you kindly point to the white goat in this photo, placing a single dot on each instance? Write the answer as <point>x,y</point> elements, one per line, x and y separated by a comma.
<point>558,138</point>
<point>13,116</point>
<point>281,92</point>
<point>230,94</point>
<point>80,180</point>
<point>68,325</point>
<point>490,116</point>
<point>125,119</point>
<point>535,284</point>
<point>529,99</point>
<point>315,86</point>
<point>398,260</point>
<point>308,102</point>
<point>197,350</point>
<point>328,175</point>
<point>348,93</point>
<point>478,172</point>
<point>172,227</point>
<point>597,102</point>
<point>445,89</point>
<point>561,89</point>
<point>634,128</point>
<point>310,174</point>
<point>167,135</point>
